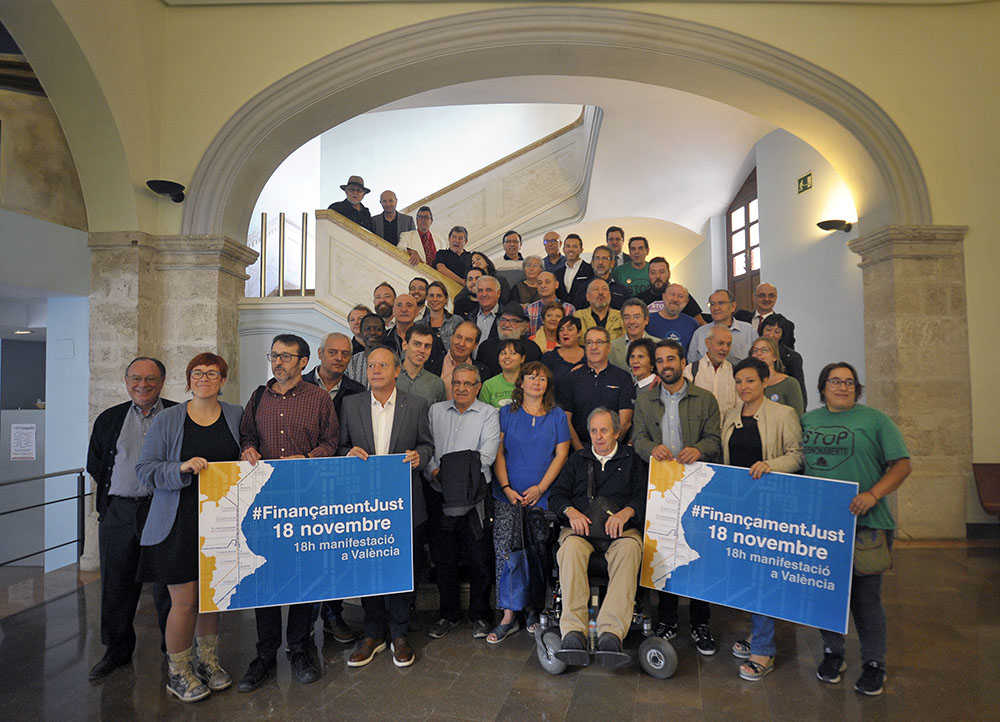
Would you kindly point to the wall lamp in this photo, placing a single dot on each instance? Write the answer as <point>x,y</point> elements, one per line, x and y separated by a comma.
<point>174,191</point>
<point>837,225</point>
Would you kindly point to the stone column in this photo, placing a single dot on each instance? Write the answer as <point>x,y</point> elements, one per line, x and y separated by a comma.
<point>917,366</point>
<point>165,296</point>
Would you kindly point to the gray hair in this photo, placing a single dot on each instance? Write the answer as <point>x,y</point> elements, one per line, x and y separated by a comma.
<point>529,259</point>
<point>616,422</point>
<point>335,334</point>
<point>488,278</point>
<point>636,302</point>
<point>467,367</point>
<point>729,294</point>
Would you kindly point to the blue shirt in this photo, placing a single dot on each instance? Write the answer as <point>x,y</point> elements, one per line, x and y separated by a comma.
<point>478,427</point>
<point>670,425</point>
<point>743,338</point>
<point>680,329</point>
<point>124,480</point>
<point>553,267</point>
<point>529,444</point>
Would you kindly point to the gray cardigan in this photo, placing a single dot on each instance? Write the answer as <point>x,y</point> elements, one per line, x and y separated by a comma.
<point>160,465</point>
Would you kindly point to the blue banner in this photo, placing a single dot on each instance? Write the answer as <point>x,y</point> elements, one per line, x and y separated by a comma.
<point>303,530</point>
<point>781,545</point>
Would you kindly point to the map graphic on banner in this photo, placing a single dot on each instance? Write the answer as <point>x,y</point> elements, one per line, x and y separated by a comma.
<point>781,545</point>
<point>301,530</point>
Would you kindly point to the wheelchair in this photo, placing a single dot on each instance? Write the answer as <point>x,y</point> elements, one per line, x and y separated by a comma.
<point>656,656</point>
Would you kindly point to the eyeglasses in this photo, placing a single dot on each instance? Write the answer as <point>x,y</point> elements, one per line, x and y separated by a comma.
<point>139,379</point>
<point>211,374</point>
<point>845,383</point>
<point>283,357</point>
<point>463,384</point>
<point>595,342</point>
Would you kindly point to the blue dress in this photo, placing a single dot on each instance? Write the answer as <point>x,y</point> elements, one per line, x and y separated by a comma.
<point>529,443</point>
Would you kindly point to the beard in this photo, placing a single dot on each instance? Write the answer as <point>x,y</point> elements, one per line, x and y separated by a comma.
<point>384,310</point>
<point>659,288</point>
<point>671,376</point>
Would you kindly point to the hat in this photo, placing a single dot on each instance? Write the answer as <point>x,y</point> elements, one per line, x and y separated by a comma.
<point>355,180</point>
<point>513,308</point>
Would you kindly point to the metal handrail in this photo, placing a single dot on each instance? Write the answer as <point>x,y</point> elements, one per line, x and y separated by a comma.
<point>43,476</point>
<point>81,512</point>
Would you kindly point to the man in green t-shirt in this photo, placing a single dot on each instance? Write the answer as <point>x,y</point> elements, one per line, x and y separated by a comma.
<point>634,275</point>
<point>847,440</point>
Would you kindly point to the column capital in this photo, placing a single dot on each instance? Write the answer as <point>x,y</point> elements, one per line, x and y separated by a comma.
<point>220,253</point>
<point>897,241</point>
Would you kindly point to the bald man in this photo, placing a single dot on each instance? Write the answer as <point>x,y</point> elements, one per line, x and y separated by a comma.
<point>765,296</point>
<point>389,224</point>
<point>554,260</point>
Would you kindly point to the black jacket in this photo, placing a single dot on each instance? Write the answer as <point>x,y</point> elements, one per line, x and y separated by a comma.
<point>489,352</point>
<point>434,361</point>
<point>103,447</point>
<point>348,387</point>
<point>623,482</point>
<point>362,216</point>
<point>792,361</point>
<point>577,290</point>
<point>787,326</point>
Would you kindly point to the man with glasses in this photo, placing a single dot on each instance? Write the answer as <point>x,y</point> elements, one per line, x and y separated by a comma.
<point>513,325</point>
<point>122,505</point>
<point>722,305</point>
<point>334,355</point>
<point>420,238</point>
<point>351,208</point>
<point>765,296</point>
<point>596,384</point>
<point>850,441</point>
<point>287,418</point>
<point>554,261</point>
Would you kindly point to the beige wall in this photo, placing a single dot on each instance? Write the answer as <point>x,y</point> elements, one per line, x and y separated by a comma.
<point>37,175</point>
<point>932,69</point>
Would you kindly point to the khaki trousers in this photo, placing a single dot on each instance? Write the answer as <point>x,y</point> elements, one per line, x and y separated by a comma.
<point>615,615</point>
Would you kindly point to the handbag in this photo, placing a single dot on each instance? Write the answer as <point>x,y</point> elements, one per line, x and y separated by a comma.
<point>512,586</point>
<point>871,552</point>
<point>599,508</point>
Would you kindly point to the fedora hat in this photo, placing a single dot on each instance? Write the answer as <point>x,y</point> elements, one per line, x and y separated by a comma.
<point>355,180</point>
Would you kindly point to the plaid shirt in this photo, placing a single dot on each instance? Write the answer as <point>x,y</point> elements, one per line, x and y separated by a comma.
<point>300,421</point>
<point>534,311</point>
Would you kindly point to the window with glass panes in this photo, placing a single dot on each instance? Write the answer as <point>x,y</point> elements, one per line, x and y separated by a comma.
<point>743,246</point>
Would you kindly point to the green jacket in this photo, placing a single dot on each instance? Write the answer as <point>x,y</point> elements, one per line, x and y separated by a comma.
<point>699,412</point>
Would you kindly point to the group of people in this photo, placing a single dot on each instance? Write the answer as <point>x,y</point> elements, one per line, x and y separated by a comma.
<point>549,384</point>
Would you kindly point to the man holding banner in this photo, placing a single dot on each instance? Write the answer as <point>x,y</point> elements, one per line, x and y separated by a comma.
<point>288,418</point>
<point>387,421</point>
<point>678,420</point>
<point>847,440</point>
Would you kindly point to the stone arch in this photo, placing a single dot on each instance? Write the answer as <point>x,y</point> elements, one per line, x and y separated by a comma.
<point>838,119</point>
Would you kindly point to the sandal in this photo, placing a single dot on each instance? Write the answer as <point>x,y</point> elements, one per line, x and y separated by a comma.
<point>502,631</point>
<point>755,671</point>
<point>741,649</point>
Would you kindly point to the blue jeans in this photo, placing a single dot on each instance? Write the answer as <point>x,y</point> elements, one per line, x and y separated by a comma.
<point>762,635</point>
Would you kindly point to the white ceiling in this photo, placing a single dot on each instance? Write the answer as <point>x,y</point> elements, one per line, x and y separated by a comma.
<point>662,153</point>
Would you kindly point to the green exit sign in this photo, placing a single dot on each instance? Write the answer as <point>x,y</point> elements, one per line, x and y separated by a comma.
<point>805,182</point>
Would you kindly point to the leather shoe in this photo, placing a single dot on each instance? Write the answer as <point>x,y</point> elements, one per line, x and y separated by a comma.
<point>108,664</point>
<point>258,671</point>
<point>402,652</point>
<point>365,652</point>
<point>304,666</point>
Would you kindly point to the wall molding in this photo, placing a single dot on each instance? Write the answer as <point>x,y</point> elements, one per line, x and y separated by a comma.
<point>231,168</point>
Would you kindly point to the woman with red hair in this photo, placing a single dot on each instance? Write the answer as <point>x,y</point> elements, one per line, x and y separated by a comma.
<point>181,442</point>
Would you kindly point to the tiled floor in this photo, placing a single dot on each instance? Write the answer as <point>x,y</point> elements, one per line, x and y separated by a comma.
<point>944,663</point>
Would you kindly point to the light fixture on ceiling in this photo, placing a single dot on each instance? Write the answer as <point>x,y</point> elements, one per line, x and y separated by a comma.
<point>835,225</point>
<point>173,190</point>
<point>22,332</point>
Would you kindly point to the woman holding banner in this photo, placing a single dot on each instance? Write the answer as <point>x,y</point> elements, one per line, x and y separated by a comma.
<point>180,443</point>
<point>762,436</point>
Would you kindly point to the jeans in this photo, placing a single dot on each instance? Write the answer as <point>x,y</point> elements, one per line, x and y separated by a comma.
<point>762,635</point>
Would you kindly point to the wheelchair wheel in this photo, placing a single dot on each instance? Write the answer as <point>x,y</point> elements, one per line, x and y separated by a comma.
<point>657,657</point>
<point>547,642</point>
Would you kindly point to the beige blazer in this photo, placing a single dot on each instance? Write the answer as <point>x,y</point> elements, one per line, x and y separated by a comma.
<point>780,435</point>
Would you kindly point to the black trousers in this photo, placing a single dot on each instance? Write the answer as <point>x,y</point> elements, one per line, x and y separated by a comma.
<point>462,539</point>
<point>118,540</point>
<point>701,612</point>
<point>298,632</point>
<point>387,617</point>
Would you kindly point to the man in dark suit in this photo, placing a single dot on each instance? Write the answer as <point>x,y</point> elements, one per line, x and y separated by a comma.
<point>765,296</point>
<point>387,421</point>
<point>334,355</point>
<point>390,225</point>
<point>351,208</point>
<point>122,506</point>
<point>576,274</point>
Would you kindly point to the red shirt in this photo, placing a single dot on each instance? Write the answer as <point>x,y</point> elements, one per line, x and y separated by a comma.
<point>430,247</point>
<point>300,421</point>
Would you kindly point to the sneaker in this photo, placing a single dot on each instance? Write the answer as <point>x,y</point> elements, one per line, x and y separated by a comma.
<point>480,629</point>
<point>666,631</point>
<point>336,627</point>
<point>304,666</point>
<point>703,640</point>
<point>183,685</point>
<point>872,679</point>
<point>441,627</point>
<point>830,668</point>
<point>212,674</point>
<point>258,671</point>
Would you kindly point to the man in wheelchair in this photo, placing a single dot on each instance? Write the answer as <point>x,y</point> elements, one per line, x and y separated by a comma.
<point>600,493</point>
